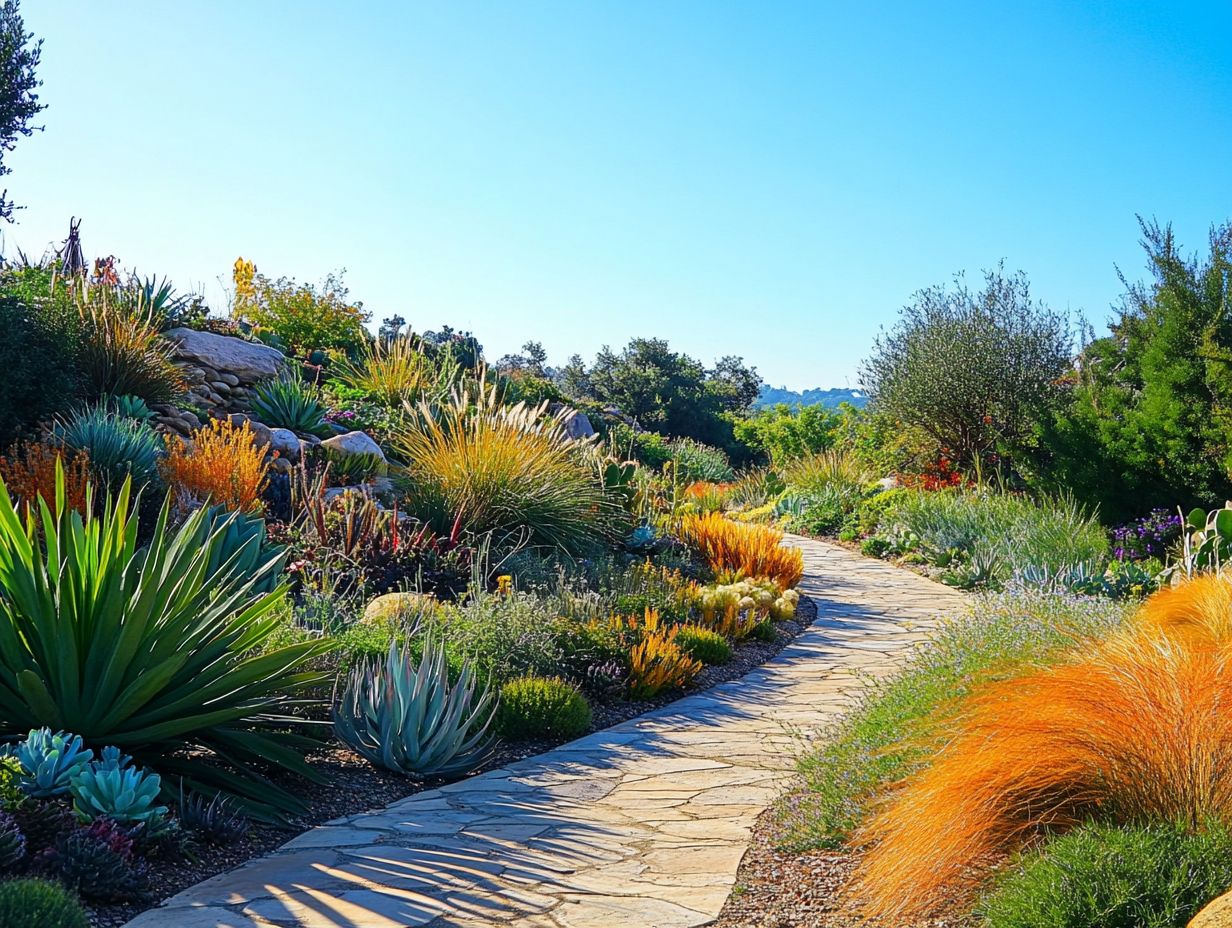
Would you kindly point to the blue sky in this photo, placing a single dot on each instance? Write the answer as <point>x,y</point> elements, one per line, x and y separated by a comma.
<point>766,179</point>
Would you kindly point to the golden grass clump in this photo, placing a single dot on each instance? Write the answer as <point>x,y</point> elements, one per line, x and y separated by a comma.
<point>398,370</point>
<point>1136,728</point>
<point>743,549</point>
<point>223,464</point>
<point>29,472</point>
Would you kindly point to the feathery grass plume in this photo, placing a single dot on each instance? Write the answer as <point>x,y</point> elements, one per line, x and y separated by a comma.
<point>1133,729</point>
<point>477,466</point>
<point>743,549</point>
<point>224,465</point>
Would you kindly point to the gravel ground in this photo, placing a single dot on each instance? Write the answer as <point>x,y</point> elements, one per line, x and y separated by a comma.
<point>352,785</point>
<point>776,889</point>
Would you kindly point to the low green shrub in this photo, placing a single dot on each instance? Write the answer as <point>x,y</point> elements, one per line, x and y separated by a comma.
<point>884,737</point>
<point>541,707</point>
<point>39,904</point>
<point>704,645</point>
<point>696,461</point>
<point>1012,530</point>
<point>1108,876</point>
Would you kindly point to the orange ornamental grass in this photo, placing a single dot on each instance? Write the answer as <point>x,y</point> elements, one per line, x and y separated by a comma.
<point>223,464</point>
<point>1136,728</point>
<point>743,549</point>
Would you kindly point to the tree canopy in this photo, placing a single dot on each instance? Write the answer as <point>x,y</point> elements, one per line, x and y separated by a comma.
<point>19,102</point>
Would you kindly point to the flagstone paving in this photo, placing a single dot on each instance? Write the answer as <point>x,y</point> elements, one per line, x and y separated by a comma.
<point>642,825</point>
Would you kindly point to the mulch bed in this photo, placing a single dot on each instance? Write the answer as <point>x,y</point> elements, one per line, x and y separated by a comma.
<point>353,786</point>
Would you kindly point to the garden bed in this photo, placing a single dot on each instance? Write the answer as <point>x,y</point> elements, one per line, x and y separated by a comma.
<point>352,785</point>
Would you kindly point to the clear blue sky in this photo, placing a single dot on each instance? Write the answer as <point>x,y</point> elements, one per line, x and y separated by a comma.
<point>765,179</point>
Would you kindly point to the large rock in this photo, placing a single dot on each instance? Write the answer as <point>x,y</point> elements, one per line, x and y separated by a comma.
<point>247,361</point>
<point>286,443</point>
<point>353,443</point>
<point>399,607</point>
<point>1217,914</point>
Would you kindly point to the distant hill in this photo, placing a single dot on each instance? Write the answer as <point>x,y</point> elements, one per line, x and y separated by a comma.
<point>772,396</point>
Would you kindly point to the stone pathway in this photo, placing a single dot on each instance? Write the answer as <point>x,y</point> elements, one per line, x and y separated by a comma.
<point>642,825</point>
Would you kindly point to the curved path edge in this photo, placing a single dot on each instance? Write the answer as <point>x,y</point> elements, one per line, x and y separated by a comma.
<point>640,825</point>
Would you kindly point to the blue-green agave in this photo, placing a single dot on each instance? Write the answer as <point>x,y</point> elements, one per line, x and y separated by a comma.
<point>50,761</point>
<point>111,788</point>
<point>407,716</point>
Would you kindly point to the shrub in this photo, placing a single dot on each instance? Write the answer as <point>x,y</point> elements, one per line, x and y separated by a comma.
<point>657,662</point>
<point>39,351</point>
<point>39,904</point>
<point>742,549</point>
<point>1130,729</point>
<point>304,318</point>
<point>736,610</point>
<point>539,707</point>
<point>483,468</point>
<point>161,649</point>
<point>1011,530</point>
<point>406,715</point>
<point>397,371</point>
<point>290,402</point>
<point>1102,876</point>
<point>694,461</point>
<point>117,448</point>
<point>885,736</point>
<point>224,465</point>
<point>704,645</point>
<point>29,472</point>
<point>122,352</point>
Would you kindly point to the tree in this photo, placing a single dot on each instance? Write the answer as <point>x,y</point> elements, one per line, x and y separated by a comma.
<point>1149,418</point>
<point>667,391</point>
<point>18,100</point>
<point>975,372</point>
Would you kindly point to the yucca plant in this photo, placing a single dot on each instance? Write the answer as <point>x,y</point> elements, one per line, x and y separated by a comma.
<point>155,648</point>
<point>406,716</point>
<point>116,448</point>
<point>290,402</point>
<point>482,467</point>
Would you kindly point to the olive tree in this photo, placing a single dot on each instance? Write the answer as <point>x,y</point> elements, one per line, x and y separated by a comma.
<point>974,371</point>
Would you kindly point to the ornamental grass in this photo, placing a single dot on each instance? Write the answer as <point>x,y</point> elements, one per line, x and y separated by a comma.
<point>223,464</point>
<point>743,549</point>
<point>657,662</point>
<point>477,466</point>
<point>1134,729</point>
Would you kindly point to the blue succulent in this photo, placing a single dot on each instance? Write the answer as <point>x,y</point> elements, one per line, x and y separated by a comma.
<point>50,761</point>
<point>111,789</point>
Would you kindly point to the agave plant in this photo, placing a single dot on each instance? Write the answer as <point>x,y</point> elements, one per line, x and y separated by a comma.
<point>288,402</point>
<point>244,543</point>
<point>50,761</point>
<point>407,716</point>
<point>127,795</point>
<point>117,447</point>
<point>151,648</point>
<point>131,407</point>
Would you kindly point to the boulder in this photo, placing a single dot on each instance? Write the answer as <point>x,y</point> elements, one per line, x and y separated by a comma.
<point>1217,914</point>
<point>399,606</point>
<point>286,443</point>
<point>354,443</point>
<point>578,425</point>
<point>247,361</point>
